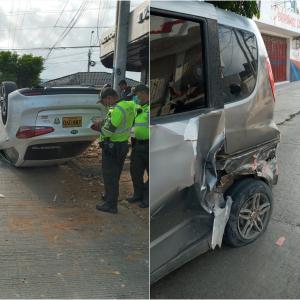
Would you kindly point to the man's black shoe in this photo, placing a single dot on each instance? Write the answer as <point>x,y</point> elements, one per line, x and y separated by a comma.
<point>144,205</point>
<point>106,208</point>
<point>134,199</point>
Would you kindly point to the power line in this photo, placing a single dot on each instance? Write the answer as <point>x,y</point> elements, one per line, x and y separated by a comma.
<point>50,27</point>
<point>62,56</point>
<point>22,22</point>
<point>44,12</point>
<point>62,11</point>
<point>98,20</point>
<point>15,26</point>
<point>47,48</point>
<point>101,20</point>
<point>10,23</point>
<point>64,62</point>
<point>57,20</point>
<point>67,30</point>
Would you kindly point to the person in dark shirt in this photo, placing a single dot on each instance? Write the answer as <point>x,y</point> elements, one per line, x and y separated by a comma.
<point>125,89</point>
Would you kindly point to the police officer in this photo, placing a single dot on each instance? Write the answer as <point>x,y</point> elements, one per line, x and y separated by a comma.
<point>114,135</point>
<point>140,149</point>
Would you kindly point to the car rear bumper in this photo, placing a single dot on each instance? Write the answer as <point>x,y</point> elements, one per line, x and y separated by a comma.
<point>46,151</point>
<point>43,163</point>
<point>52,151</point>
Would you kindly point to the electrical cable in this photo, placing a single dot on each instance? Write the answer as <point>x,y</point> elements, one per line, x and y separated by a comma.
<point>48,48</point>
<point>62,56</point>
<point>66,31</point>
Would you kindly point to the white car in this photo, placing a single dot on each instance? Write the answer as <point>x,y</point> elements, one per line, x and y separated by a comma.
<point>46,126</point>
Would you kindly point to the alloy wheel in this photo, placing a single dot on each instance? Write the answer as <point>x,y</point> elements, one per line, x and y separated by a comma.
<point>253,216</point>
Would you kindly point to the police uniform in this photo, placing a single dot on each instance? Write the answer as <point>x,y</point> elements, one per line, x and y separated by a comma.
<point>140,156</point>
<point>114,135</point>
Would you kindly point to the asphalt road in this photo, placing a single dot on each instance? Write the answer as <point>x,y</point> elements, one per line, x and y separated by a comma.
<point>54,244</point>
<point>262,269</point>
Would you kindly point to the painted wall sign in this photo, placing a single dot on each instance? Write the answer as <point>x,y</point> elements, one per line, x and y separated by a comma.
<point>274,13</point>
<point>143,15</point>
<point>108,37</point>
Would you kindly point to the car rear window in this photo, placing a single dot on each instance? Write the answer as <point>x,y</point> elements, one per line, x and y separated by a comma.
<point>177,81</point>
<point>239,57</point>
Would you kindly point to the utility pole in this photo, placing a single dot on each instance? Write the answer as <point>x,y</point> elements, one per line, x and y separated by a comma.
<point>120,54</point>
<point>89,60</point>
<point>90,54</point>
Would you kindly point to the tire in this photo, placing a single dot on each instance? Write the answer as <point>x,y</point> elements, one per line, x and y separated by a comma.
<point>252,205</point>
<point>6,88</point>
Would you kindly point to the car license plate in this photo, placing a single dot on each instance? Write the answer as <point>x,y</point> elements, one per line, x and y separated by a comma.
<point>72,121</point>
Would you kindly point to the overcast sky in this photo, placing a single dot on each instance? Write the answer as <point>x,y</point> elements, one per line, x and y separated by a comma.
<point>30,24</point>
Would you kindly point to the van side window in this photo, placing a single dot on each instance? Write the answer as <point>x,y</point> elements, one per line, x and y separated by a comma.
<point>238,54</point>
<point>176,76</point>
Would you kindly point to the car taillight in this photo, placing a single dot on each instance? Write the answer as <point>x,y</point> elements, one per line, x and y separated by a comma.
<point>95,127</point>
<point>31,93</point>
<point>271,77</point>
<point>25,132</point>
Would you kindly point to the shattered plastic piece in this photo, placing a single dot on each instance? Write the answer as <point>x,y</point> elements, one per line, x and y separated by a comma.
<point>2,196</point>
<point>220,220</point>
<point>280,241</point>
<point>116,272</point>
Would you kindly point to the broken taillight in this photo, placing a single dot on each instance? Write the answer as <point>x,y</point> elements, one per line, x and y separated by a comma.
<point>271,77</point>
<point>25,132</point>
<point>95,127</point>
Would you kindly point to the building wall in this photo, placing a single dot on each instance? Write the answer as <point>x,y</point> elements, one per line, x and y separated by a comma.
<point>294,62</point>
<point>282,19</point>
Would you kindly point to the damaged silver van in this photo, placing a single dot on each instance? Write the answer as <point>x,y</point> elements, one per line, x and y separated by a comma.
<point>213,138</point>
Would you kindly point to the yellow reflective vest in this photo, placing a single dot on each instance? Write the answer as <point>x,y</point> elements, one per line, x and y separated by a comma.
<point>141,123</point>
<point>118,122</point>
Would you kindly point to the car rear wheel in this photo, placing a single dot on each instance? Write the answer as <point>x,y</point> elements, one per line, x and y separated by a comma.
<point>250,212</point>
<point>6,88</point>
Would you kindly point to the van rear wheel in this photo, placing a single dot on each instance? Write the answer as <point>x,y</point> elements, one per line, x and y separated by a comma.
<point>250,212</point>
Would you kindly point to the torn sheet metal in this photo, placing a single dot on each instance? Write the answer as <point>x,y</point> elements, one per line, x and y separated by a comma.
<point>180,152</point>
<point>261,162</point>
<point>190,152</point>
<point>221,212</point>
<point>209,178</point>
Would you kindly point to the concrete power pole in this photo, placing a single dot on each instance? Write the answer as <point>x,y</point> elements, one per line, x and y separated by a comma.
<point>90,53</point>
<point>120,55</point>
<point>89,60</point>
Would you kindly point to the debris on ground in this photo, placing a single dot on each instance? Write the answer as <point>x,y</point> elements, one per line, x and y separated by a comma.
<point>280,241</point>
<point>88,166</point>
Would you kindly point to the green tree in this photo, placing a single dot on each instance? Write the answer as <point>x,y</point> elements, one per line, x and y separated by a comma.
<point>29,68</point>
<point>8,66</point>
<point>25,70</point>
<point>244,8</point>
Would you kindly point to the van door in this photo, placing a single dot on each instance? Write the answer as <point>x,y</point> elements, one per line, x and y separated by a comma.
<point>247,94</point>
<point>187,120</point>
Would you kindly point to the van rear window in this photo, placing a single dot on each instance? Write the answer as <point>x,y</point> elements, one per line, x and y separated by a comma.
<point>177,75</point>
<point>239,56</point>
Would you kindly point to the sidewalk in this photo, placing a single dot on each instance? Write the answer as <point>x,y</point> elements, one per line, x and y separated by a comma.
<point>287,102</point>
